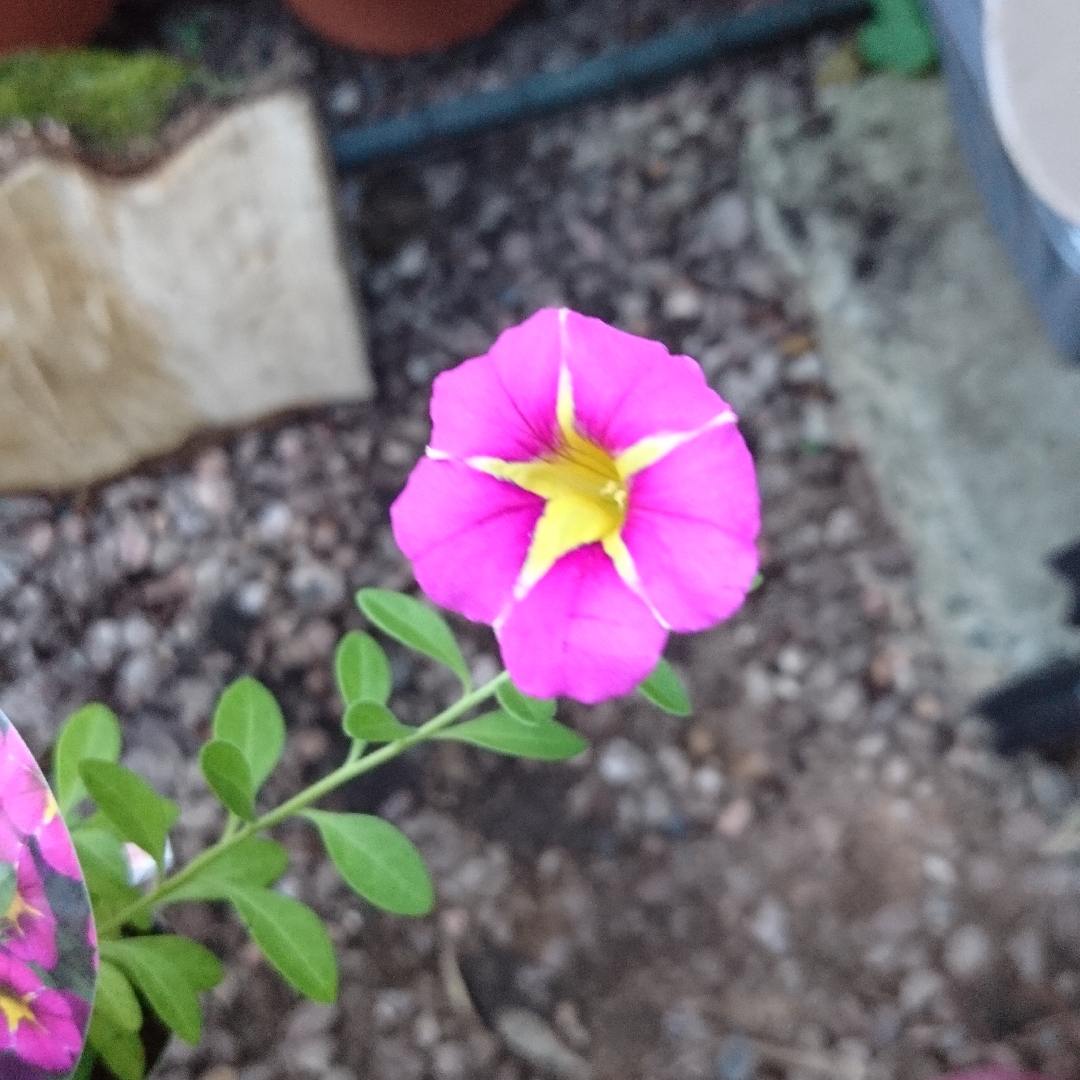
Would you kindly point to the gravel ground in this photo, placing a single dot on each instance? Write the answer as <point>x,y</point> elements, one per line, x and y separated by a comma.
<point>824,872</point>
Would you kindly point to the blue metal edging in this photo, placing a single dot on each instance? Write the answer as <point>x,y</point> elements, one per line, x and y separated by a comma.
<point>658,58</point>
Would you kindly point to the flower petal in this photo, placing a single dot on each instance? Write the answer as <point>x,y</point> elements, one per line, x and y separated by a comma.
<point>50,1036</point>
<point>28,927</point>
<point>467,535</point>
<point>693,519</point>
<point>627,388</point>
<point>580,632</point>
<point>56,848</point>
<point>501,405</point>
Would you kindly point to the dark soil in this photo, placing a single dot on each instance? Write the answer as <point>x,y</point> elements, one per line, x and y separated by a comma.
<point>824,872</point>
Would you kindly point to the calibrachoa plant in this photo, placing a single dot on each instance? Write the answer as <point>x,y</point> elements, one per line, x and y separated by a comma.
<point>585,492</point>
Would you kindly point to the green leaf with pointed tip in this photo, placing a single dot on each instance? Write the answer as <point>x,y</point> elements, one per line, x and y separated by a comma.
<point>505,734</point>
<point>169,971</point>
<point>121,1050</point>
<point>759,580</point>
<point>363,672</point>
<point>529,710</point>
<point>115,998</point>
<point>7,885</point>
<point>292,937</point>
<point>251,863</point>
<point>135,809</point>
<point>370,722</point>
<point>377,860</point>
<point>248,716</point>
<point>414,624</point>
<point>226,771</point>
<point>93,732</point>
<point>664,689</point>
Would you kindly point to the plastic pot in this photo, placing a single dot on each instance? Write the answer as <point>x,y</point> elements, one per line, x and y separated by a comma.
<point>400,27</point>
<point>49,24</point>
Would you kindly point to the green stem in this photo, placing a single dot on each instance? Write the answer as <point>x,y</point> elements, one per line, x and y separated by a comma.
<point>231,825</point>
<point>350,769</point>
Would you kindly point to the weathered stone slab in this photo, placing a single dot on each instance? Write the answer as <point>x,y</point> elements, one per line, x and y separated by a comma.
<point>970,418</point>
<point>206,294</point>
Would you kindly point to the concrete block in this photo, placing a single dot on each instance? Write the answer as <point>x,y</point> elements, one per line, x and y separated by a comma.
<point>137,312</point>
<point>969,417</point>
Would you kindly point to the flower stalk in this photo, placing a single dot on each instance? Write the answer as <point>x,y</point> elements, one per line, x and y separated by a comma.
<point>349,770</point>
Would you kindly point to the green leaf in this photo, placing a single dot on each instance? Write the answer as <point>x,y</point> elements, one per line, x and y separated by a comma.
<point>505,734</point>
<point>248,716</point>
<point>293,939</point>
<point>84,1067</point>
<point>121,1050</point>
<point>93,732</point>
<point>363,672</point>
<point>100,856</point>
<point>169,972</point>
<point>251,863</point>
<point>529,710</point>
<point>110,898</point>
<point>665,691</point>
<point>115,998</point>
<point>377,860</point>
<point>759,580</point>
<point>138,813</point>
<point>226,771</point>
<point>7,886</point>
<point>371,722</point>
<point>414,624</point>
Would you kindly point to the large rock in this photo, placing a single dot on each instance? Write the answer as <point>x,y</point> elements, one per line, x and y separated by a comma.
<point>135,313</point>
<point>969,416</point>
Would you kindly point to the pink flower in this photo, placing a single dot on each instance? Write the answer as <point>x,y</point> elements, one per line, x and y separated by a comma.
<point>36,1022</point>
<point>28,927</point>
<point>27,807</point>
<point>584,492</point>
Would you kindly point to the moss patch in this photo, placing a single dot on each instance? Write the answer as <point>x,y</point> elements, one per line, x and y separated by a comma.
<point>105,97</point>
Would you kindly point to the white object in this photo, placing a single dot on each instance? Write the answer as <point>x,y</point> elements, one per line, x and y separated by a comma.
<point>205,294</point>
<point>1031,51</point>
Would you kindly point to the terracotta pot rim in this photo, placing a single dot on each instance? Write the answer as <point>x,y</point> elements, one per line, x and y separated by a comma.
<point>400,27</point>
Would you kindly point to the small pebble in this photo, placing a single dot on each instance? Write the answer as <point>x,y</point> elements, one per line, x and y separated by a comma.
<point>918,988</point>
<point>683,303</point>
<point>967,952</point>
<point>734,819</point>
<point>708,782</point>
<point>346,99</point>
<point>939,870</point>
<point>623,764</point>
<point>316,586</point>
<point>771,926</point>
<point>1027,953</point>
<point>726,222</point>
<point>737,1059</point>
<point>274,523</point>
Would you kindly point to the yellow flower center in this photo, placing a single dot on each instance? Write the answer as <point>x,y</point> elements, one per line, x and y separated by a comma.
<point>586,491</point>
<point>52,808</point>
<point>15,1010</point>
<point>586,501</point>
